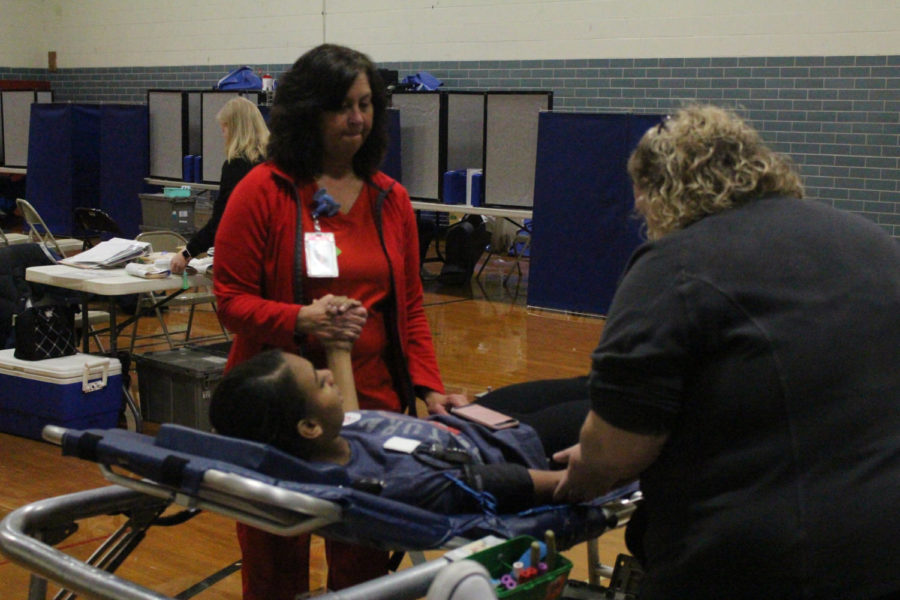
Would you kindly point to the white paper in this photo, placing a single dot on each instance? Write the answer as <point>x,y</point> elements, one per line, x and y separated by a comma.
<point>199,265</point>
<point>401,444</point>
<point>146,271</point>
<point>108,253</point>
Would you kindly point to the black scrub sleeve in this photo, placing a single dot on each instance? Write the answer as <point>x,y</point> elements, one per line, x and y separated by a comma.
<point>232,172</point>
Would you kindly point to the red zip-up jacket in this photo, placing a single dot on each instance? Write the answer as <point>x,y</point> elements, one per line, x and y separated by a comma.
<point>258,260</point>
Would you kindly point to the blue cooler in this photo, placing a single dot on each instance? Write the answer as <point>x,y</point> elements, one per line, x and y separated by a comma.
<point>79,391</point>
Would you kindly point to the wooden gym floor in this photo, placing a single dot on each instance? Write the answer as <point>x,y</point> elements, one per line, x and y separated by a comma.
<point>484,336</point>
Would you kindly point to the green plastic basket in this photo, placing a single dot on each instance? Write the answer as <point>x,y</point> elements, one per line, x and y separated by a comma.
<point>499,559</point>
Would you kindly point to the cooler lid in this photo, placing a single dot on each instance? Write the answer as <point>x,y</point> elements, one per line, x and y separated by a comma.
<point>64,367</point>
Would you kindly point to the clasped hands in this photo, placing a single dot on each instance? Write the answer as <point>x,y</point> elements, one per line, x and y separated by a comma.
<point>336,320</point>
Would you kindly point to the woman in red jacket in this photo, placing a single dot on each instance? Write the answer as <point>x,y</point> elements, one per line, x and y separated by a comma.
<point>318,220</point>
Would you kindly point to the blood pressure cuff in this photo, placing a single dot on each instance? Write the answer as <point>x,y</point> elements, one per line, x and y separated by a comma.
<point>509,483</point>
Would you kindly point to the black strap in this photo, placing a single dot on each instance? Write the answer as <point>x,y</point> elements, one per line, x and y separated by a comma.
<point>87,446</point>
<point>171,471</point>
<point>299,253</point>
<point>379,202</point>
<point>397,364</point>
<point>433,454</point>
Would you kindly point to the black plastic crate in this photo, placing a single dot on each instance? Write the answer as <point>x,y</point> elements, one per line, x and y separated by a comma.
<point>176,385</point>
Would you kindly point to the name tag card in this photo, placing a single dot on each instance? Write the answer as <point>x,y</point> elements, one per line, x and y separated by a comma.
<point>321,254</point>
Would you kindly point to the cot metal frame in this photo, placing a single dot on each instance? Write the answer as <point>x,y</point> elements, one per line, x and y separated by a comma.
<point>27,534</point>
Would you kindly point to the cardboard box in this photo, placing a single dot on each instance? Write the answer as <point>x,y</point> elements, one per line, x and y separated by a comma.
<point>175,386</point>
<point>80,391</point>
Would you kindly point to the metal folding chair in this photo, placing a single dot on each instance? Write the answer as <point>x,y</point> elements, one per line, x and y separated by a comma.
<point>169,241</point>
<point>95,223</point>
<point>10,239</point>
<point>40,233</point>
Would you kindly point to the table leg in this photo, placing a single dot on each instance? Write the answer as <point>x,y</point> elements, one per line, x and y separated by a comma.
<point>85,326</point>
<point>133,419</point>
<point>113,327</point>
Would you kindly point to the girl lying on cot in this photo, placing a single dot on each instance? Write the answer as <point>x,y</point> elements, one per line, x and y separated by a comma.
<point>443,463</point>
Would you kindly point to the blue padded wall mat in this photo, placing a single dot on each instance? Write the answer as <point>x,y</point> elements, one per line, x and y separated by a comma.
<point>124,163</point>
<point>63,162</point>
<point>87,155</point>
<point>584,227</point>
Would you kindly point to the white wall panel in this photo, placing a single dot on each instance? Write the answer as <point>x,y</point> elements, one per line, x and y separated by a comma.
<point>109,33</point>
<point>22,39</point>
<point>523,29</point>
<point>98,33</point>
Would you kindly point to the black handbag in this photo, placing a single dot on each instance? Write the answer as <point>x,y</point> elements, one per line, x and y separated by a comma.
<point>45,332</point>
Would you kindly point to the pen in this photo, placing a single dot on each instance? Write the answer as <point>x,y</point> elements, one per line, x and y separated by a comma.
<point>550,539</point>
<point>535,553</point>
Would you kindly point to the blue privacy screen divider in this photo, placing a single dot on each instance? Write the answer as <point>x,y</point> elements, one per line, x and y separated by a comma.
<point>123,164</point>
<point>87,155</point>
<point>584,228</point>
<point>63,161</point>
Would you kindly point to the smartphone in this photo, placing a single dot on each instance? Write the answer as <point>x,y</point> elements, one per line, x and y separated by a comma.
<point>484,416</point>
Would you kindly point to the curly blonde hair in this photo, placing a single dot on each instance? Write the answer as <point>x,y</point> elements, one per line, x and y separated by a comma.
<point>700,162</point>
<point>246,131</point>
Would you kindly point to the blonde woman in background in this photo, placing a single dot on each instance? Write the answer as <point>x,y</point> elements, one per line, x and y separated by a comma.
<point>246,136</point>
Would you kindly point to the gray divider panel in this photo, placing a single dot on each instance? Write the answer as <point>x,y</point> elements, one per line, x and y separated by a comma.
<point>16,112</point>
<point>420,142</point>
<point>511,128</point>
<point>465,130</point>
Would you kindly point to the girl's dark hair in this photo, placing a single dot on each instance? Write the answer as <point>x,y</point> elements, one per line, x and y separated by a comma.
<point>259,400</point>
<point>316,83</point>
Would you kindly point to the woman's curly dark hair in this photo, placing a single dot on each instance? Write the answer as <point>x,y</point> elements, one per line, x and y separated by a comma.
<point>316,83</point>
<point>702,161</point>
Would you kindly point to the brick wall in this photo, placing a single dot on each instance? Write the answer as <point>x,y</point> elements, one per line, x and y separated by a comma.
<point>838,117</point>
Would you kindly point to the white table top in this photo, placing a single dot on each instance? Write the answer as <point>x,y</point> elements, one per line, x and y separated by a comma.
<point>512,213</point>
<point>14,170</point>
<point>106,282</point>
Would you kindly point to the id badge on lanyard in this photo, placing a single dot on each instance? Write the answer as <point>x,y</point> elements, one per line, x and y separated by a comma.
<point>321,254</point>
